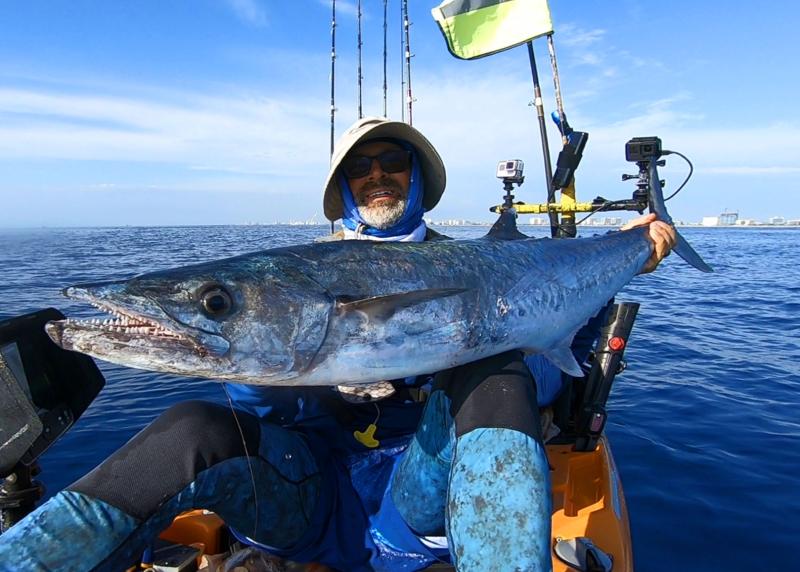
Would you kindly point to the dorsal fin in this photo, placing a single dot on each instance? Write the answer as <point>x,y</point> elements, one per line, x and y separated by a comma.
<point>505,228</point>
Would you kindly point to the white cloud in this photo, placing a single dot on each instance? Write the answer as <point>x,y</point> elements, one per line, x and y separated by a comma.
<point>745,170</point>
<point>249,11</point>
<point>344,7</point>
<point>575,36</point>
<point>233,133</point>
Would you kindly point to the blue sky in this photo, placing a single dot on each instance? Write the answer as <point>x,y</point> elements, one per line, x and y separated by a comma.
<point>217,111</point>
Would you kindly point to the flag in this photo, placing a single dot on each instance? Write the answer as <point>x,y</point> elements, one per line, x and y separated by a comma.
<point>477,28</point>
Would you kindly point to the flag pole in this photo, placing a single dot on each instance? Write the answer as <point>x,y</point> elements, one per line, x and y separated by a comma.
<point>548,168</point>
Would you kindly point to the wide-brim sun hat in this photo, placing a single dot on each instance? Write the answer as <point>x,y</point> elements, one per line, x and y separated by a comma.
<point>363,130</point>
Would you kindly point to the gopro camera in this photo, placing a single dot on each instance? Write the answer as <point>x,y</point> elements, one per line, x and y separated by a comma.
<point>511,171</point>
<point>643,149</point>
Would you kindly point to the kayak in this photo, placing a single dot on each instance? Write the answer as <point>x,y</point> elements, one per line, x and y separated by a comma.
<point>588,503</point>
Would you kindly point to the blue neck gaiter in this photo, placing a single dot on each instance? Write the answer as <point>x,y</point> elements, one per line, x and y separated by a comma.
<point>412,216</point>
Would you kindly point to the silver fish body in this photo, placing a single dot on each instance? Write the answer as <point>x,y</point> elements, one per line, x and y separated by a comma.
<point>357,311</point>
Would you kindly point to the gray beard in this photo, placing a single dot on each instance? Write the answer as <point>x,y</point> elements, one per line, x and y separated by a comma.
<point>383,216</point>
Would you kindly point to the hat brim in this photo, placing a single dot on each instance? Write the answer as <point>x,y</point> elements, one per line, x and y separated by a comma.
<point>431,164</point>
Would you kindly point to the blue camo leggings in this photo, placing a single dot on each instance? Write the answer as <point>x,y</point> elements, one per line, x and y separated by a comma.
<point>475,468</point>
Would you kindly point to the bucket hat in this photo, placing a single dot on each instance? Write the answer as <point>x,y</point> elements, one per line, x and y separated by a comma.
<point>431,165</point>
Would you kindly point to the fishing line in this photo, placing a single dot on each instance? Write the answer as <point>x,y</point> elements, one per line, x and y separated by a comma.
<point>249,463</point>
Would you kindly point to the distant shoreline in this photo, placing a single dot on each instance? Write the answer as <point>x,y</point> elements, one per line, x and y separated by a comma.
<point>327,226</point>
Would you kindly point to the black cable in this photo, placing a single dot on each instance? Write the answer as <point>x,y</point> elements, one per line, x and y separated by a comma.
<point>689,176</point>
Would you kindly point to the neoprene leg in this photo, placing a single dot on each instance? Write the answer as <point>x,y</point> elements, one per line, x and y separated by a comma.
<point>499,508</point>
<point>193,456</point>
<point>419,485</point>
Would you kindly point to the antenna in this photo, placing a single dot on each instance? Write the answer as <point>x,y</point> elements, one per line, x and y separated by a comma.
<point>385,4</point>
<point>406,26</point>
<point>360,77</point>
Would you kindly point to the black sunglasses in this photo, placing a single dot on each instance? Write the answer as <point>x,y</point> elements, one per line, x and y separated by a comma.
<point>392,161</point>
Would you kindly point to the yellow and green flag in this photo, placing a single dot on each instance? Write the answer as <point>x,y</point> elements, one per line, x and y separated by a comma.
<point>477,28</point>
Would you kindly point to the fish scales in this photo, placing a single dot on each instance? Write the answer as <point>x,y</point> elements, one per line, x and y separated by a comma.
<point>359,311</point>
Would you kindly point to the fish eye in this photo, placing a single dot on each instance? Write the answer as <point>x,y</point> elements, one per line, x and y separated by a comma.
<point>216,301</point>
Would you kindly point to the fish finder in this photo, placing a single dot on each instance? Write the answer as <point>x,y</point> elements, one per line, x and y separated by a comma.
<point>43,391</point>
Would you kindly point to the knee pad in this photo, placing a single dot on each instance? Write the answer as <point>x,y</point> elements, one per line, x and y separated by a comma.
<point>497,392</point>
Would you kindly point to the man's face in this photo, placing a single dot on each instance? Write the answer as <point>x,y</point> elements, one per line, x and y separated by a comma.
<point>380,195</point>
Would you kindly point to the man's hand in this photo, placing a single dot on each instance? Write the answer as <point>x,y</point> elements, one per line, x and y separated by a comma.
<point>661,234</point>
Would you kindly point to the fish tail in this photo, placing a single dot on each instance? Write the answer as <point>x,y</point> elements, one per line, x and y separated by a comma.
<point>658,206</point>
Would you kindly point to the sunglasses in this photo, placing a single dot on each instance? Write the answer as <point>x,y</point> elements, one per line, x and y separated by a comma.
<point>392,161</point>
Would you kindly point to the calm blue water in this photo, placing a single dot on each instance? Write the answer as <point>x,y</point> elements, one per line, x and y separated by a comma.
<point>704,424</point>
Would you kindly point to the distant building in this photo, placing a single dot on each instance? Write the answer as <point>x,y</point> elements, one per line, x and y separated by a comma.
<point>777,220</point>
<point>710,221</point>
<point>728,218</point>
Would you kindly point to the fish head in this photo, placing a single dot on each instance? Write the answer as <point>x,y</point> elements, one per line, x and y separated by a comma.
<point>253,321</point>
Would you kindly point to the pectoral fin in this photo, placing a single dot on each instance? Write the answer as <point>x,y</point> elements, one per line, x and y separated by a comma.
<point>382,308</point>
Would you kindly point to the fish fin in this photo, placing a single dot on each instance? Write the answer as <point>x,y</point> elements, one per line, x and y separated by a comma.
<point>563,358</point>
<point>505,228</point>
<point>685,251</point>
<point>658,206</point>
<point>383,307</point>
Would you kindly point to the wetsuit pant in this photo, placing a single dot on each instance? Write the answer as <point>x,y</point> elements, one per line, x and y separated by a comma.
<point>475,467</point>
<point>262,480</point>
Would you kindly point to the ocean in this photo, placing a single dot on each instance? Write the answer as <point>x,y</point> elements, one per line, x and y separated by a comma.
<point>704,424</point>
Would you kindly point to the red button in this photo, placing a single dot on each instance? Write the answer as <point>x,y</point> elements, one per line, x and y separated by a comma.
<point>616,344</point>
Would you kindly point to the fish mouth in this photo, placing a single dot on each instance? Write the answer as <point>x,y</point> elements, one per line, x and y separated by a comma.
<point>133,322</point>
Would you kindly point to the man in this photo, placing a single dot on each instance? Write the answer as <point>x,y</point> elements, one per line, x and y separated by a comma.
<point>356,478</point>
<point>383,176</point>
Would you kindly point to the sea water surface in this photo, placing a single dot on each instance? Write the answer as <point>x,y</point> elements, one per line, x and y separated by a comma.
<point>704,424</point>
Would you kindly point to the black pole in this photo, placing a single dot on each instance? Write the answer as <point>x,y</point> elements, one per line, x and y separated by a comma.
<point>385,18</point>
<point>548,169</point>
<point>333,80</point>
<point>402,67</point>
<point>407,25</point>
<point>360,109</point>
<point>18,495</point>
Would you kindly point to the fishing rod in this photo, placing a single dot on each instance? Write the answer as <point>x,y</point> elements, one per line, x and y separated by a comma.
<point>360,77</point>
<point>385,6</point>
<point>333,83</point>
<point>408,55</point>
<point>402,68</point>
<point>548,168</point>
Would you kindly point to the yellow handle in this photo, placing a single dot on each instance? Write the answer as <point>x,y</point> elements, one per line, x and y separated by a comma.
<point>367,437</point>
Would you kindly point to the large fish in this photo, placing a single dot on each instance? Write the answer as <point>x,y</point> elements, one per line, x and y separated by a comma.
<point>359,311</point>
